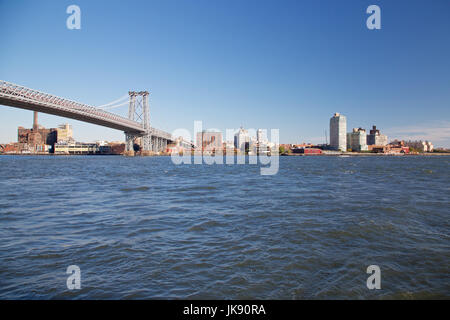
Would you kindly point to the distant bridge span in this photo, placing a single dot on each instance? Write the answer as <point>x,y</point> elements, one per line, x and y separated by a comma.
<point>21,97</point>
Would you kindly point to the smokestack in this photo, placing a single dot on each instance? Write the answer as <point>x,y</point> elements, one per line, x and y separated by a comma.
<point>35,121</point>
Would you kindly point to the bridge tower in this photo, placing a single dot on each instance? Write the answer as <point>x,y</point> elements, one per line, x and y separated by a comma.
<point>139,111</point>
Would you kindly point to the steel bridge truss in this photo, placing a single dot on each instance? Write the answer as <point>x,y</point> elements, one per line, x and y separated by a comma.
<point>153,140</point>
<point>136,126</point>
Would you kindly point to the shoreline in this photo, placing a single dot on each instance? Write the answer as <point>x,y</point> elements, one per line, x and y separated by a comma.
<point>362,154</point>
<point>349,154</point>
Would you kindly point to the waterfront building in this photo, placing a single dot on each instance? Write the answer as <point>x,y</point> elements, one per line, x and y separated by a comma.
<point>75,148</point>
<point>81,148</point>
<point>179,146</point>
<point>357,140</point>
<point>376,138</point>
<point>229,146</point>
<point>65,133</point>
<point>338,132</point>
<point>421,146</point>
<point>261,142</point>
<point>209,140</point>
<point>9,148</point>
<point>117,147</point>
<point>286,147</point>
<point>242,139</point>
<point>395,147</point>
<point>303,145</point>
<point>307,150</point>
<point>183,144</point>
<point>261,137</point>
<point>24,148</point>
<point>40,139</point>
<point>38,135</point>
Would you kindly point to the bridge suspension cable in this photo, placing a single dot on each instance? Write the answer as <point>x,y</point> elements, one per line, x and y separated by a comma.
<point>113,102</point>
<point>115,106</point>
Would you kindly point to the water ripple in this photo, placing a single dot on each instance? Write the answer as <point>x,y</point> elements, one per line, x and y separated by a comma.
<point>144,228</point>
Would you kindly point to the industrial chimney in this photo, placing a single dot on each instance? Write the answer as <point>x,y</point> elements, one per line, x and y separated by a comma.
<point>35,121</point>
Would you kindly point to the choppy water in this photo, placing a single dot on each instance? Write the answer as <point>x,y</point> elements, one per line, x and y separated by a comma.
<point>145,228</point>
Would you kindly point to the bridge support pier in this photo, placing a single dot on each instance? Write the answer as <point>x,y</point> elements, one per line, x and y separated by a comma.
<point>146,147</point>
<point>158,144</point>
<point>152,141</point>
<point>129,144</point>
<point>147,143</point>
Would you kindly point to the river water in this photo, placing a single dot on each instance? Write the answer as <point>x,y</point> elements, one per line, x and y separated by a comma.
<point>144,228</point>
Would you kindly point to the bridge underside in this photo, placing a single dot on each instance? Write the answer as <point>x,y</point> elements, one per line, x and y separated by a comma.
<point>149,144</point>
<point>68,114</point>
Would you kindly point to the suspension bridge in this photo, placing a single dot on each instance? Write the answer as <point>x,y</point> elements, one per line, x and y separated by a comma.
<point>136,126</point>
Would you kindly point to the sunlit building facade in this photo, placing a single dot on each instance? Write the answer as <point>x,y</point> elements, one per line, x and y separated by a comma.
<point>338,132</point>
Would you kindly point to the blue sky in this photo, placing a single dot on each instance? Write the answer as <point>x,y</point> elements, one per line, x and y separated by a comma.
<point>261,64</point>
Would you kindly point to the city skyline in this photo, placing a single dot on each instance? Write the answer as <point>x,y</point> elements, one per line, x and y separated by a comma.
<point>341,139</point>
<point>252,69</point>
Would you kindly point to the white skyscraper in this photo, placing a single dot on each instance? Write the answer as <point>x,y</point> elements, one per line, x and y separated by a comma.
<point>241,138</point>
<point>261,136</point>
<point>338,132</point>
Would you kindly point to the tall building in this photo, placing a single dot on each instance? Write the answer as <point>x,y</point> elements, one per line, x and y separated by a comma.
<point>376,138</point>
<point>260,136</point>
<point>241,139</point>
<point>338,132</point>
<point>65,133</point>
<point>357,140</point>
<point>210,141</point>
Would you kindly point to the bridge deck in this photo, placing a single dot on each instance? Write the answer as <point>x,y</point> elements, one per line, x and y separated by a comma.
<point>21,97</point>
